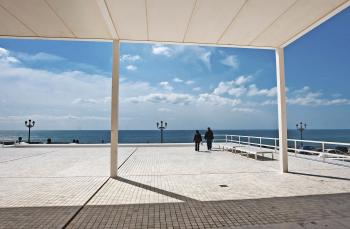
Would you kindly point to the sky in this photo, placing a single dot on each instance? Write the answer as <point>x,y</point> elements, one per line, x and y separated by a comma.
<point>67,84</point>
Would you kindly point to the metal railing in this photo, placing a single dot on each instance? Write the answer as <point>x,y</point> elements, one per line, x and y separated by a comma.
<point>217,138</point>
<point>7,142</point>
<point>310,149</point>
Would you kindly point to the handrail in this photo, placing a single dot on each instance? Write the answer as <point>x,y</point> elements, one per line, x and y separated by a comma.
<point>322,151</point>
<point>291,139</point>
<point>313,141</point>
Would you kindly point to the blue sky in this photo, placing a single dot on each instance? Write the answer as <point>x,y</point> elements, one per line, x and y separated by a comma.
<point>66,85</point>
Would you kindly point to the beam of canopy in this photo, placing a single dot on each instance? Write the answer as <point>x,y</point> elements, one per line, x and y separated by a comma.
<point>242,23</point>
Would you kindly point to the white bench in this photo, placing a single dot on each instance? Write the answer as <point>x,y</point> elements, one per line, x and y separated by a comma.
<point>231,146</point>
<point>254,150</point>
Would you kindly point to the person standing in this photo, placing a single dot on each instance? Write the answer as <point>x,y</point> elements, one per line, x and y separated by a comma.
<point>197,140</point>
<point>209,136</point>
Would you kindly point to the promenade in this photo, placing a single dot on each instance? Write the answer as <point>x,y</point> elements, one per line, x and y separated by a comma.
<point>167,187</point>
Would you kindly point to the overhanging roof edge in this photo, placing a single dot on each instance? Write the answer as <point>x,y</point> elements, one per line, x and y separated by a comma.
<point>57,38</point>
<point>135,41</point>
<point>326,17</point>
<point>198,44</point>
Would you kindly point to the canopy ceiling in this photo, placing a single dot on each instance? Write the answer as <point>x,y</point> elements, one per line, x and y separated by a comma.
<point>255,23</point>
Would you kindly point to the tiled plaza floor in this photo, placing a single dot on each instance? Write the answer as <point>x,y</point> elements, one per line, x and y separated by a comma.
<point>219,214</point>
<point>167,187</point>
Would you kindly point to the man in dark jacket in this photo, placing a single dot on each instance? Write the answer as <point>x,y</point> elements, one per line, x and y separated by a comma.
<point>209,136</point>
<point>197,139</point>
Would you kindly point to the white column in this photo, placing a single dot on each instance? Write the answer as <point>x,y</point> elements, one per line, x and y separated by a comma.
<point>114,110</point>
<point>282,114</point>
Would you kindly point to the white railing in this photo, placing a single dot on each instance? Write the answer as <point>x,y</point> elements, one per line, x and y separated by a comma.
<point>218,138</point>
<point>7,141</point>
<point>322,149</point>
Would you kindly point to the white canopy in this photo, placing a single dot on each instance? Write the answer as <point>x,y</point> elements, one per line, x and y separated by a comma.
<point>247,23</point>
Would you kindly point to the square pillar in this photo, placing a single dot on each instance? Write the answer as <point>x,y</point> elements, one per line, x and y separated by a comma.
<point>114,111</point>
<point>282,114</point>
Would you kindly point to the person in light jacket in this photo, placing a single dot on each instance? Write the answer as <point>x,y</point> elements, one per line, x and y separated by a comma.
<point>197,140</point>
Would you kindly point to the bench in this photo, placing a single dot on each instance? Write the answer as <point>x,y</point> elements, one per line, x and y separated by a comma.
<point>254,150</point>
<point>231,146</point>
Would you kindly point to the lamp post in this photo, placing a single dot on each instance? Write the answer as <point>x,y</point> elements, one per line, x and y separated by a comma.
<point>301,127</point>
<point>161,127</point>
<point>30,124</point>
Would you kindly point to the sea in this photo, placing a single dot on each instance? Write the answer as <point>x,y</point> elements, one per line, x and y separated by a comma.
<point>170,136</point>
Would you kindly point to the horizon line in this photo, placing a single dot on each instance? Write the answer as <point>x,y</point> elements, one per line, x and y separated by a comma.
<point>169,129</point>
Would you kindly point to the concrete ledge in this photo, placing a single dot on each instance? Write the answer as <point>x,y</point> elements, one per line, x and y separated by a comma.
<point>107,145</point>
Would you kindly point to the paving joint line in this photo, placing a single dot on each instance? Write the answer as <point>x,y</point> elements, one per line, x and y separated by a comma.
<point>49,177</point>
<point>16,159</point>
<point>93,195</point>
<point>82,206</point>
<point>128,157</point>
<point>195,174</point>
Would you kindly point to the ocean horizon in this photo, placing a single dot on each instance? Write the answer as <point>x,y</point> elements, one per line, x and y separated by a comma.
<point>170,136</point>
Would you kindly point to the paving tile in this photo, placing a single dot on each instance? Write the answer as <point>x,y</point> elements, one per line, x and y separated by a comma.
<point>167,187</point>
<point>285,212</point>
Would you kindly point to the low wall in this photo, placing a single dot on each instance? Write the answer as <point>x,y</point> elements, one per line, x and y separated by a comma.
<point>106,145</point>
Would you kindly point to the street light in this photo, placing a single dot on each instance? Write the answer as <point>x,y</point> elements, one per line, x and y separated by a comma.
<point>30,124</point>
<point>161,127</point>
<point>301,127</point>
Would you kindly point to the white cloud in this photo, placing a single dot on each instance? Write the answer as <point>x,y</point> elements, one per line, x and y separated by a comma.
<point>196,89</point>
<point>131,67</point>
<point>162,109</point>
<point>4,52</point>
<point>162,50</point>
<point>84,101</point>
<point>184,99</point>
<point>329,102</point>
<point>6,58</point>
<point>254,91</point>
<point>24,58</point>
<point>223,88</point>
<point>241,80</point>
<point>132,89</point>
<point>243,109</point>
<point>234,87</point>
<point>41,56</point>
<point>314,99</point>
<point>205,58</point>
<point>166,85</point>
<point>217,100</point>
<point>238,88</point>
<point>130,58</point>
<point>237,92</point>
<point>303,90</point>
<point>48,95</point>
<point>306,97</point>
<point>189,82</point>
<point>177,80</point>
<point>89,101</point>
<point>269,102</point>
<point>188,53</point>
<point>231,61</point>
<point>167,98</point>
<point>41,118</point>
